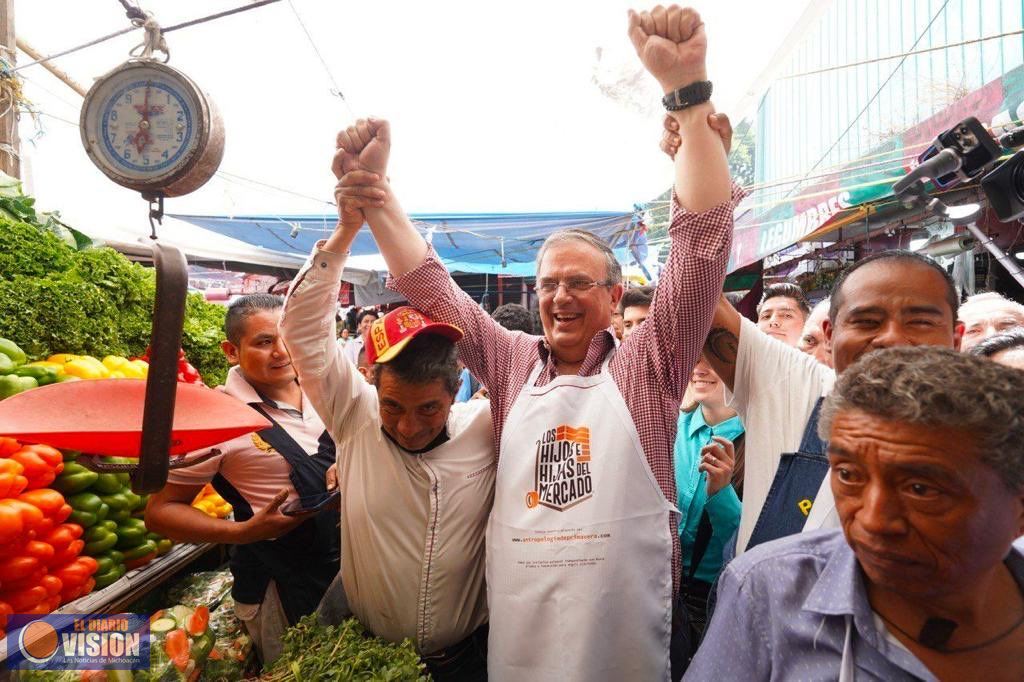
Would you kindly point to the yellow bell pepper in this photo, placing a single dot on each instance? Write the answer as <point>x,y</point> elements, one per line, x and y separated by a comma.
<point>86,367</point>
<point>123,368</point>
<point>62,358</point>
<point>58,367</point>
<point>140,366</point>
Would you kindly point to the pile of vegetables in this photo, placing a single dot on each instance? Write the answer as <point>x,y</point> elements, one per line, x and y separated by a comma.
<point>41,561</point>
<point>343,652</point>
<point>58,294</point>
<point>211,503</point>
<point>181,641</point>
<point>113,518</point>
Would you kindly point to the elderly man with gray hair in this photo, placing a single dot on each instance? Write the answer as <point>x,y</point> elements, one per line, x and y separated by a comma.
<point>926,453</point>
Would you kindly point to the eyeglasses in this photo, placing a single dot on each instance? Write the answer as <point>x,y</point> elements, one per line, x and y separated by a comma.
<point>573,287</point>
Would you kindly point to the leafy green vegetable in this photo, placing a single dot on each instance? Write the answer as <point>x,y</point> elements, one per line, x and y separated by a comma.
<point>343,652</point>
<point>56,299</point>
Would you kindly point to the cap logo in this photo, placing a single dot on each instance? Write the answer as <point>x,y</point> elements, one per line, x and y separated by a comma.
<point>409,320</point>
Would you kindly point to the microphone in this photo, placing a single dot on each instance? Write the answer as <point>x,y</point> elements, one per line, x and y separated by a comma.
<point>946,161</point>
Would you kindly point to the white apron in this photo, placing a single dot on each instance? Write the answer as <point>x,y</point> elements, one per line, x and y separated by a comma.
<point>579,548</point>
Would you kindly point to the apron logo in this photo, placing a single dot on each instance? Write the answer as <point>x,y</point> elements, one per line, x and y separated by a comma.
<point>563,478</point>
<point>805,506</point>
<point>261,444</point>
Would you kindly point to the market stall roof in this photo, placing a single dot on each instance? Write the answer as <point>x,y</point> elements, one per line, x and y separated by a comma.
<point>492,243</point>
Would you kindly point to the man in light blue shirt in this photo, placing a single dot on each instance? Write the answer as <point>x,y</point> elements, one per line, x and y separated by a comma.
<point>926,455</point>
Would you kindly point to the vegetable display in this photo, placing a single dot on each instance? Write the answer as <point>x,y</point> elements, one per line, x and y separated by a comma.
<point>342,652</point>
<point>44,266</point>
<point>41,566</point>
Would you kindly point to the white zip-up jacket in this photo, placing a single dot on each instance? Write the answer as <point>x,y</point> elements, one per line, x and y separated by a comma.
<point>412,526</point>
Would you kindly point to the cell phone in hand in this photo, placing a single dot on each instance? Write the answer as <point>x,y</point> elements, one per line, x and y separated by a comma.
<point>311,503</point>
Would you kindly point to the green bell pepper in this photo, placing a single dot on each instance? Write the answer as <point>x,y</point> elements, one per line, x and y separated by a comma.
<point>105,579</point>
<point>11,350</point>
<point>119,515</point>
<point>104,563</point>
<point>70,455</point>
<point>44,376</point>
<point>134,501</point>
<point>117,500</point>
<point>85,501</point>
<point>74,479</point>
<point>82,518</point>
<point>107,484</point>
<point>117,557</point>
<point>109,525</point>
<point>6,364</point>
<point>12,385</point>
<point>130,536</point>
<point>139,551</point>
<point>163,546</point>
<point>102,512</point>
<point>98,540</point>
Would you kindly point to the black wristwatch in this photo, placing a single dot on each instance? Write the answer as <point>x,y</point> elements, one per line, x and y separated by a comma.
<point>692,94</point>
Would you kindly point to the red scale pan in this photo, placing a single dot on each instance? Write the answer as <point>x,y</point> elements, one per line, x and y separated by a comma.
<point>104,417</point>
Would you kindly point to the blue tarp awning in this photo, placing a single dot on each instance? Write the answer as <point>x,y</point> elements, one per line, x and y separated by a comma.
<point>492,243</point>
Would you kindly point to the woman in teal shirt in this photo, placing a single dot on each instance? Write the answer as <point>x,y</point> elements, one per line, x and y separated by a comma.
<point>706,468</point>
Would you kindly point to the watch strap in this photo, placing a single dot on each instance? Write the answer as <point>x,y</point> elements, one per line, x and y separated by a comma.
<point>688,96</point>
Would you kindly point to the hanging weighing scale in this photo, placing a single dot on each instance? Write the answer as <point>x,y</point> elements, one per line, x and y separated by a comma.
<point>150,128</point>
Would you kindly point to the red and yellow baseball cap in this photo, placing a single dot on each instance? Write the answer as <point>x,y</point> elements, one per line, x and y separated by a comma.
<point>390,334</point>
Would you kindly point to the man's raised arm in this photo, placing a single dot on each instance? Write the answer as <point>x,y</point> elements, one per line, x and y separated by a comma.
<point>672,45</point>
<point>360,163</point>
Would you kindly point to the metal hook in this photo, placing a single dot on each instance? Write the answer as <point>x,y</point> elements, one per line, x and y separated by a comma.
<point>156,212</point>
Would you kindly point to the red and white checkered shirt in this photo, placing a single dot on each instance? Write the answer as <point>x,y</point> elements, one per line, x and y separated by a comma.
<point>651,369</point>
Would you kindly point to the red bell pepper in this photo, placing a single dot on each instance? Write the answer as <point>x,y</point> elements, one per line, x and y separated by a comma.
<point>68,554</point>
<point>62,536</point>
<point>5,610</point>
<point>32,516</point>
<point>24,600</point>
<point>17,567</point>
<point>52,584</point>
<point>12,483</point>
<point>40,550</point>
<point>42,464</point>
<point>12,526</point>
<point>50,502</point>
<point>8,446</point>
<point>30,580</point>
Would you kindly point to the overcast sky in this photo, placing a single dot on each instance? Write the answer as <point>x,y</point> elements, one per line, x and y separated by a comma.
<point>495,107</point>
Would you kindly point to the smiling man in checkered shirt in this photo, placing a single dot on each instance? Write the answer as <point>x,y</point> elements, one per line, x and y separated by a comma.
<point>582,535</point>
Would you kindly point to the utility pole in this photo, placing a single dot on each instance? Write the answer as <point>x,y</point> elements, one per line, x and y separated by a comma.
<point>9,148</point>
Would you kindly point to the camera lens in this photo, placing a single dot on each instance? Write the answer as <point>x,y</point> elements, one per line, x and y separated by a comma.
<point>1017,181</point>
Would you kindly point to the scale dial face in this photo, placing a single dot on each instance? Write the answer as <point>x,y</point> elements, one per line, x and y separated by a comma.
<point>145,125</point>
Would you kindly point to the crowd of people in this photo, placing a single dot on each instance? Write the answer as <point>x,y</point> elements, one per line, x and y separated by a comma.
<point>646,484</point>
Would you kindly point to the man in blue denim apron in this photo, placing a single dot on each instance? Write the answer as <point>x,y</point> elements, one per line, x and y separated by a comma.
<point>895,298</point>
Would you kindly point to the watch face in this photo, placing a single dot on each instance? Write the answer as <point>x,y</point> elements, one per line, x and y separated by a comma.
<point>142,123</point>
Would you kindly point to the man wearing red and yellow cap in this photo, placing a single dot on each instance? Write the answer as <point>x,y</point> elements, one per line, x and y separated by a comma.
<point>415,469</point>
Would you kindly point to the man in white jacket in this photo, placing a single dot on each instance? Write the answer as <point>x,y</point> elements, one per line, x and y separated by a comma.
<point>415,469</point>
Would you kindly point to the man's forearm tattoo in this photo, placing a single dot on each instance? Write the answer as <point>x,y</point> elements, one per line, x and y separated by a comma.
<point>722,345</point>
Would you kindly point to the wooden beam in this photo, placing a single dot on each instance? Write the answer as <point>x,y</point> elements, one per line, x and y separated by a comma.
<point>64,78</point>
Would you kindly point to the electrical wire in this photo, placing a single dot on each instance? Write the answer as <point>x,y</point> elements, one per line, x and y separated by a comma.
<point>231,176</point>
<point>903,55</point>
<point>336,90</point>
<point>185,24</point>
<point>878,91</point>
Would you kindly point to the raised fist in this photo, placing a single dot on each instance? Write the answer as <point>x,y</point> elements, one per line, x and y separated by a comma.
<point>364,146</point>
<point>671,43</point>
